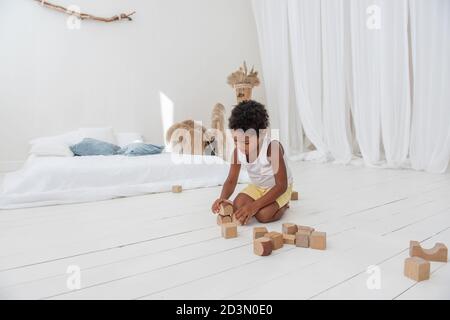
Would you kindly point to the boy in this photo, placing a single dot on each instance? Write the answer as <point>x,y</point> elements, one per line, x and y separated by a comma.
<point>268,195</point>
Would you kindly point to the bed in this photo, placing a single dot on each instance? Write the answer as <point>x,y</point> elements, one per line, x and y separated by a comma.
<point>61,180</point>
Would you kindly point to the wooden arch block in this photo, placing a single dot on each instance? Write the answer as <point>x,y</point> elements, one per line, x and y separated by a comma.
<point>438,253</point>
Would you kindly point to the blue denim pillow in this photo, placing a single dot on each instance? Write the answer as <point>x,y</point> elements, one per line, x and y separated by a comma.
<point>93,147</point>
<point>141,149</point>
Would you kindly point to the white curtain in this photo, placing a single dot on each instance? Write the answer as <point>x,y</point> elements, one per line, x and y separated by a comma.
<point>430,136</point>
<point>361,75</point>
<point>381,95</point>
<point>304,24</point>
<point>316,33</point>
<point>336,114</point>
<point>271,23</point>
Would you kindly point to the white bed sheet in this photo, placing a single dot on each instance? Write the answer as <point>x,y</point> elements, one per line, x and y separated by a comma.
<point>61,180</point>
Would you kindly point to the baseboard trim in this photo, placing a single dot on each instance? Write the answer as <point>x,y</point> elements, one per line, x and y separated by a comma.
<point>8,166</point>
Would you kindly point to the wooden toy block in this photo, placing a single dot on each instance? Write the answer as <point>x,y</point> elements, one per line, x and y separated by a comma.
<point>226,209</point>
<point>318,240</point>
<point>302,238</point>
<point>223,219</point>
<point>229,230</point>
<point>177,189</point>
<point>438,253</point>
<point>262,246</point>
<point>277,239</point>
<point>299,227</point>
<point>290,228</point>
<point>294,195</point>
<point>259,232</point>
<point>417,269</point>
<point>289,238</point>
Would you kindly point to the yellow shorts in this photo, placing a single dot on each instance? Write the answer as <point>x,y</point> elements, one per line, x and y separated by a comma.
<point>256,192</point>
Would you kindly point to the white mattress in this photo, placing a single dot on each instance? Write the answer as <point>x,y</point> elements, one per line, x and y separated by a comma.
<point>61,180</point>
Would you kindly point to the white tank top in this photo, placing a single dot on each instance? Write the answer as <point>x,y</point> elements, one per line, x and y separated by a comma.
<point>260,171</point>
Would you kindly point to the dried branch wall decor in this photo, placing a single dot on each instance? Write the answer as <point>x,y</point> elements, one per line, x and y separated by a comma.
<point>86,16</point>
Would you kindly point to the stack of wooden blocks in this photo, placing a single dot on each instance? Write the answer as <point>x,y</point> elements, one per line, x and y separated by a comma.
<point>225,220</point>
<point>301,236</point>
<point>417,266</point>
<point>228,222</point>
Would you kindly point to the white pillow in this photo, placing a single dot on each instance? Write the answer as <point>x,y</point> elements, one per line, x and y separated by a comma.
<point>51,149</point>
<point>102,134</point>
<point>69,138</point>
<point>126,138</point>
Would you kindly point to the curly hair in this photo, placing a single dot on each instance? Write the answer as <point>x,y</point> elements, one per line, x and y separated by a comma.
<point>249,114</point>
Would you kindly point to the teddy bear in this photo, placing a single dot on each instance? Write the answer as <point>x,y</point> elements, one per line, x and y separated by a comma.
<point>191,137</point>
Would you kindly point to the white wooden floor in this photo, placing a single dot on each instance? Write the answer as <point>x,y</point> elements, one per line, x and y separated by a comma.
<point>166,246</point>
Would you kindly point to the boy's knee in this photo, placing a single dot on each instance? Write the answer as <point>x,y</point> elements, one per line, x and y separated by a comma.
<point>263,216</point>
<point>240,201</point>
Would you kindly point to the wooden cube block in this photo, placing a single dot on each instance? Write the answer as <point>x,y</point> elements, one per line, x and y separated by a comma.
<point>177,189</point>
<point>277,239</point>
<point>225,209</point>
<point>294,195</point>
<point>262,246</point>
<point>302,238</point>
<point>417,269</point>
<point>229,230</point>
<point>438,253</point>
<point>223,219</point>
<point>290,228</point>
<point>318,240</point>
<point>259,232</point>
<point>289,238</point>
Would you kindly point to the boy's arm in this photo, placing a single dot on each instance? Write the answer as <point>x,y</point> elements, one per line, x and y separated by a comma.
<point>232,179</point>
<point>280,174</point>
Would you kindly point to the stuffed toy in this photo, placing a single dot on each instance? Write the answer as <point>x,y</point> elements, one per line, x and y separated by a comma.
<point>191,137</point>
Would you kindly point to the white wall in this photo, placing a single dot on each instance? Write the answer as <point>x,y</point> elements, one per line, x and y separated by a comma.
<point>53,79</point>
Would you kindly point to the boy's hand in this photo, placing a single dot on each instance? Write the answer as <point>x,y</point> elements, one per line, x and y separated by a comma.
<point>216,205</point>
<point>245,213</point>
